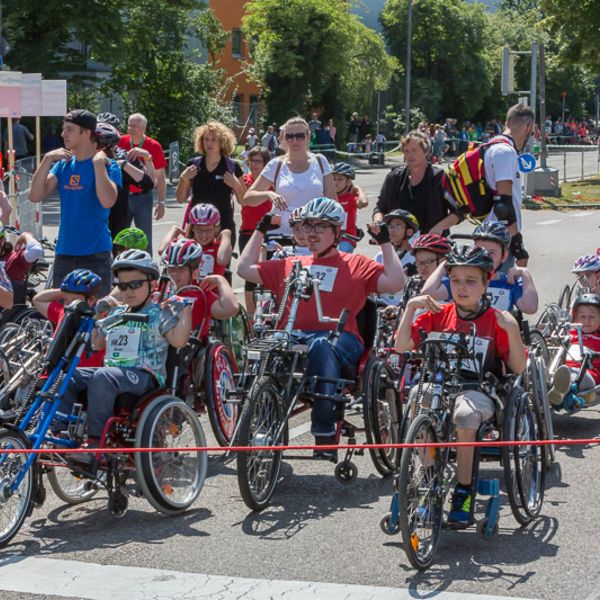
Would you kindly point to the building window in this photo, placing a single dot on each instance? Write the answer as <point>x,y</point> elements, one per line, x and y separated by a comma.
<point>237,103</point>
<point>236,43</point>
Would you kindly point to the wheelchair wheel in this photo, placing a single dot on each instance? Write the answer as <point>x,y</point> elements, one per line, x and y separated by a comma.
<point>564,299</point>
<point>261,417</point>
<point>381,411</point>
<point>70,488</point>
<point>170,481</point>
<point>524,466</point>
<point>420,484</point>
<point>218,378</point>
<point>14,507</point>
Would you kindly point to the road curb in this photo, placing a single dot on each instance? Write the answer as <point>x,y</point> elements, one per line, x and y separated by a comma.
<point>536,206</point>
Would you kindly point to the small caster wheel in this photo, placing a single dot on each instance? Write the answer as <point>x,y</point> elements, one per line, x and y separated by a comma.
<point>346,471</point>
<point>117,505</point>
<point>482,529</point>
<point>386,525</point>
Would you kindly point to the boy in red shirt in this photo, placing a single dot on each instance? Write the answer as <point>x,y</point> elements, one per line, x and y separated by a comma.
<point>586,311</point>
<point>80,284</point>
<point>215,298</point>
<point>470,269</point>
<point>351,197</point>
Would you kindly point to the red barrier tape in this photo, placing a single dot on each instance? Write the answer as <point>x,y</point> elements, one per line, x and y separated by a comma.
<point>220,449</point>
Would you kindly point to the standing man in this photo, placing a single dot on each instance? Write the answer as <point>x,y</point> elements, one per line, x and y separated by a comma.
<point>87,183</point>
<point>21,135</point>
<point>140,202</point>
<point>269,141</point>
<point>502,175</point>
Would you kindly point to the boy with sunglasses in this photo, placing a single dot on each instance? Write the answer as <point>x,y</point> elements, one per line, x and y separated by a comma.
<point>136,353</point>
<point>346,282</point>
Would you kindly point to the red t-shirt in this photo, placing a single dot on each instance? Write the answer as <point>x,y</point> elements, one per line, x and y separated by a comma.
<point>16,265</point>
<point>347,280</point>
<point>591,341</point>
<point>486,328</point>
<point>155,149</point>
<point>56,312</point>
<point>251,215</point>
<point>209,265</point>
<point>201,310</point>
<point>349,202</point>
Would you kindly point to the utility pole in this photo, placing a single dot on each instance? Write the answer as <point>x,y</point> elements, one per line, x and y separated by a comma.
<point>408,66</point>
<point>544,150</point>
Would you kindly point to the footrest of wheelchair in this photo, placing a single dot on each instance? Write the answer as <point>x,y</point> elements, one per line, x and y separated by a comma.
<point>488,487</point>
<point>457,526</point>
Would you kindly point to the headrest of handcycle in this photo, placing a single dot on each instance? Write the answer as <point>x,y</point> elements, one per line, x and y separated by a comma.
<point>81,307</point>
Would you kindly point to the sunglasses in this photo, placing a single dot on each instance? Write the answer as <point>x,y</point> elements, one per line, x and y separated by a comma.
<point>136,284</point>
<point>295,136</point>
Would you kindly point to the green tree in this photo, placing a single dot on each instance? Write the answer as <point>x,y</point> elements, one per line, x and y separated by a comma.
<point>314,53</point>
<point>451,73</point>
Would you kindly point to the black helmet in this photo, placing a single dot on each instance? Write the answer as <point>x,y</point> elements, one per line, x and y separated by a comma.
<point>470,256</point>
<point>107,136</point>
<point>493,231</point>
<point>344,168</point>
<point>410,219</point>
<point>587,300</point>
<point>107,117</point>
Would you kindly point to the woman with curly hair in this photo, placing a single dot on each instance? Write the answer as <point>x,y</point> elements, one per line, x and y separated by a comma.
<point>212,176</point>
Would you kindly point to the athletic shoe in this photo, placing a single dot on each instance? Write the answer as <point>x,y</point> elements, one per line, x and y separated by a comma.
<point>561,384</point>
<point>462,499</point>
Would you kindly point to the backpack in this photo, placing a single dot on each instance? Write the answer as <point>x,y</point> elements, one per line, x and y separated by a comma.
<point>466,189</point>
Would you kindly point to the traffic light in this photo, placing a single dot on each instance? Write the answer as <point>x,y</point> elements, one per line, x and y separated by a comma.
<point>508,71</point>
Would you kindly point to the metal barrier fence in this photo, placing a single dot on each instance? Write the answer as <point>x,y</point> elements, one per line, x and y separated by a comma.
<point>574,163</point>
<point>28,216</point>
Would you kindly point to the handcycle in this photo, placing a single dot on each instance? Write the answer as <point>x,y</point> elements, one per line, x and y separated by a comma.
<point>273,387</point>
<point>170,481</point>
<point>426,474</point>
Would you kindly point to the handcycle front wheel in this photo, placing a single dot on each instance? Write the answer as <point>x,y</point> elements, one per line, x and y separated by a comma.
<point>261,417</point>
<point>382,411</point>
<point>524,465</point>
<point>170,481</point>
<point>14,504</point>
<point>70,488</point>
<point>421,497</point>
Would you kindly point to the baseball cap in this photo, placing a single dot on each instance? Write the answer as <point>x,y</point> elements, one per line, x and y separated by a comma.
<point>82,117</point>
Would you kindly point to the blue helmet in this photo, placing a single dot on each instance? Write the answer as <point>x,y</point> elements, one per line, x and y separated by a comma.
<point>80,281</point>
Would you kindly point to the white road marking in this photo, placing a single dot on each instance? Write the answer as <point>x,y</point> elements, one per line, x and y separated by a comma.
<point>550,222</point>
<point>299,430</point>
<point>583,214</point>
<point>69,578</point>
<point>168,222</point>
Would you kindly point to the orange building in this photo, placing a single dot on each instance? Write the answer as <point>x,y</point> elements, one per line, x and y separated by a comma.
<point>244,94</point>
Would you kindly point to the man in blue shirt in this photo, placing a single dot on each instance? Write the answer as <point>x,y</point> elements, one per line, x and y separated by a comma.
<point>87,182</point>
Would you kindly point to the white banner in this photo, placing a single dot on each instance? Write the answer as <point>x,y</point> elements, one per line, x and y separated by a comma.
<point>10,93</point>
<point>54,97</point>
<point>31,95</point>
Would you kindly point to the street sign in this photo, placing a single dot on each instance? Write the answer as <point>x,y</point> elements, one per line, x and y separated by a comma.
<point>526,163</point>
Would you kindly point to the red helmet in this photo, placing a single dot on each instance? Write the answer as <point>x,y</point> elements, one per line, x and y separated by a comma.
<point>182,253</point>
<point>432,242</point>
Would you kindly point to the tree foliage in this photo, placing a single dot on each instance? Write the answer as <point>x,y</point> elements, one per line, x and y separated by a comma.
<point>314,53</point>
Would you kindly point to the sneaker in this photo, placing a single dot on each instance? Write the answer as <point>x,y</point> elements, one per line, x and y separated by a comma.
<point>87,460</point>
<point>572,403</point>
<point>325,440</point>
<point>462,499</point>
<point>561,384</point>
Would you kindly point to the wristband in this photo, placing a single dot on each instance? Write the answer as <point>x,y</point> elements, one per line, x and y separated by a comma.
<point>266,224</point>
<point>383,237</point>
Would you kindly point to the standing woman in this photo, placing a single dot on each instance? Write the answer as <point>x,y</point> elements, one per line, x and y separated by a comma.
<point>417,187</point>
<point>213,176</point>
<point>296,177</point>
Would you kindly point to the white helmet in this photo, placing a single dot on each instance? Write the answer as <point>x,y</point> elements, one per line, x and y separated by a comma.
<point>324,209</point>
<point>182,253</point>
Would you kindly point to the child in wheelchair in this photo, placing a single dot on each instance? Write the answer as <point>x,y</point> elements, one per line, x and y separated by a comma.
<point>564,394</point>
<point>204,227</point>
<point>587,270</point>
<point>136,353</point>
<point>497,335</point>
<point>80,284</point>
<point>514,289</point>
<point>212,295</point>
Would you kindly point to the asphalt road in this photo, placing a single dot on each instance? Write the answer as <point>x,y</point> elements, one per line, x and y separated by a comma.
<point>318,530</point>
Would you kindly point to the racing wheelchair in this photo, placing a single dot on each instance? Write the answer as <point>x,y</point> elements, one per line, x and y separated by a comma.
<point>427,474</point>
<point>274,386</point>
<point>170,481</point>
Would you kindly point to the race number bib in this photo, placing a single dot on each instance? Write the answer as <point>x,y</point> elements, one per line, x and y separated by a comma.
<point>480,348</point>
<point>391,299</point>
<point>574,353</point>
<point>326,276</point>
<point>207,265</point>
<point>123,342</point>
<point>500,298</point>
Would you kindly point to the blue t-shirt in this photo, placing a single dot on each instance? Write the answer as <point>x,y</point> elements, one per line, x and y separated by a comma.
<point>504,295</point>
<point>83,226</point>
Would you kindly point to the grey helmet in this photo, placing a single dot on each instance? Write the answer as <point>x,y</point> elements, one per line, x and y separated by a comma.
<point>136,259</point>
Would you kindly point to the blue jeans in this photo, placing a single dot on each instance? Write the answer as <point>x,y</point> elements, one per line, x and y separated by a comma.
<point>346,246</point>
<point>327,360</point>
<point>103,385</point>
<point>140,211</point>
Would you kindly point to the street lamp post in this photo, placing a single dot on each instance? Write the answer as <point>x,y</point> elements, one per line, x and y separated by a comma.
<point>408,66</point>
